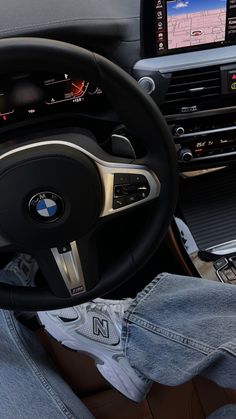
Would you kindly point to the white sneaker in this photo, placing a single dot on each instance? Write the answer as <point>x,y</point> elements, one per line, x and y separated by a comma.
<point>94,328</point>
<point>24,267</point>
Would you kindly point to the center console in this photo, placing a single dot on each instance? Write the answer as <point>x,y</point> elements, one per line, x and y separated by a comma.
<point>207,202</point>
<point>189,69</point>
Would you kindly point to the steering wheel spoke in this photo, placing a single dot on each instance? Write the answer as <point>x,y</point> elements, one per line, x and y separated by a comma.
<point>127,186</point>
<point>72,269</point>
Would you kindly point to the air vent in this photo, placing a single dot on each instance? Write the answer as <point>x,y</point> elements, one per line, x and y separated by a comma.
<point>193,90</point>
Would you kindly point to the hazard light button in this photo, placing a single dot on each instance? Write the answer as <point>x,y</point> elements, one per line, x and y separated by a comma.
<point>232,81</point>
<point>228,76</point>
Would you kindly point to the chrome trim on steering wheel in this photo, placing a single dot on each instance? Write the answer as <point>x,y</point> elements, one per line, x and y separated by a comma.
<point>107,174</point>
<point>69,265</point>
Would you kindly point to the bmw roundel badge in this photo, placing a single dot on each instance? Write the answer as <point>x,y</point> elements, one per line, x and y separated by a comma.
<point>46,207</point>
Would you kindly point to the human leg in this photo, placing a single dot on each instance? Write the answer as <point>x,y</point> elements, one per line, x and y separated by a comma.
<point>225,412</point>
<point>180,327</point>
<point>175,329</point>
<point>30,384</point>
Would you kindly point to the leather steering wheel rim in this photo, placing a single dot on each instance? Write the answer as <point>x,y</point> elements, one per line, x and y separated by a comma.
<point>145,120</point>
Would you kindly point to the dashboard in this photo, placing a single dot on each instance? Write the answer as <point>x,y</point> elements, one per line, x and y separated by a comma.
<point>180,51</point>
<point>189,70</point>
<point>26,96</point>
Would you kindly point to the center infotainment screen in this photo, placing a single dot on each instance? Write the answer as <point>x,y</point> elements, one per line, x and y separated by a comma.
<point>188,25</point>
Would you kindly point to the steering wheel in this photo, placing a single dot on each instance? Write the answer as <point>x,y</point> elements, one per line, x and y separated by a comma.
<point>58,190</point>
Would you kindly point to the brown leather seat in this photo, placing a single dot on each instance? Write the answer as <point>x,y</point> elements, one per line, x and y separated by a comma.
<point>193,400</point>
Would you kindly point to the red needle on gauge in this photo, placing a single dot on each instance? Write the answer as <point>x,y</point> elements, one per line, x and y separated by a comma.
<point>79,88</point>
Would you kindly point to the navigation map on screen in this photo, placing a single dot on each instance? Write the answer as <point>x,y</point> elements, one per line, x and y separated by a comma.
<point>195,22</point>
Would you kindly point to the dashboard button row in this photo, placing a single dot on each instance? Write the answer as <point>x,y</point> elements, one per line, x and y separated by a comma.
<point>123,178</point>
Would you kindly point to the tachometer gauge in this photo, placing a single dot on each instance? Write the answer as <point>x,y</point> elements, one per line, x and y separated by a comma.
<point>78,88</point>
<point>65,89</point>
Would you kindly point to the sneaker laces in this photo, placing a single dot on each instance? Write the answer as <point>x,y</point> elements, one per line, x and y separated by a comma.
<point>24,267</point>
<point>16,263</point>
<point>18,260</point>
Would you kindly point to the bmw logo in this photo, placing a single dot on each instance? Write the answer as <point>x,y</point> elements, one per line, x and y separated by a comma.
<point>46,207</point>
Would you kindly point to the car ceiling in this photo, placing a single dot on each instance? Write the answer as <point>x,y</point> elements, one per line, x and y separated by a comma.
<point>110,27</point>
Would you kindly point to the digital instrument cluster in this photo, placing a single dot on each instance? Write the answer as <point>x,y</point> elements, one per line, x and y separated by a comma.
<point>27,96</point>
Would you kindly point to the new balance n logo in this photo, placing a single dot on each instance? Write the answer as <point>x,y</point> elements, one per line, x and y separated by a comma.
<point>100,327</point>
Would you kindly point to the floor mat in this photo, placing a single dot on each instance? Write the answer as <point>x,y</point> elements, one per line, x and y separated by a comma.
<point>208,204</point>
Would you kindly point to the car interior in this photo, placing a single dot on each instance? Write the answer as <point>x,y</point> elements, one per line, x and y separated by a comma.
<point>123,113</point>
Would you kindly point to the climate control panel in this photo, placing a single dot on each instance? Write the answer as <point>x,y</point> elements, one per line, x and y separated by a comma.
<point>199,140</point>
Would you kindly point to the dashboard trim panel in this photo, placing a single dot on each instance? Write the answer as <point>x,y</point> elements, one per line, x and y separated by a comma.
<point>187,60</point>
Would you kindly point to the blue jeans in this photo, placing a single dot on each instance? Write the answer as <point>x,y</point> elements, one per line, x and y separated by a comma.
<point>175,329</point>
<point>180,327</point>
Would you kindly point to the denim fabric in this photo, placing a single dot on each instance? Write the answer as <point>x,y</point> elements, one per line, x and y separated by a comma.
<point>176,328</point>
<point>226,412</point>
<point>30,386</point>
<point>179,327</point>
